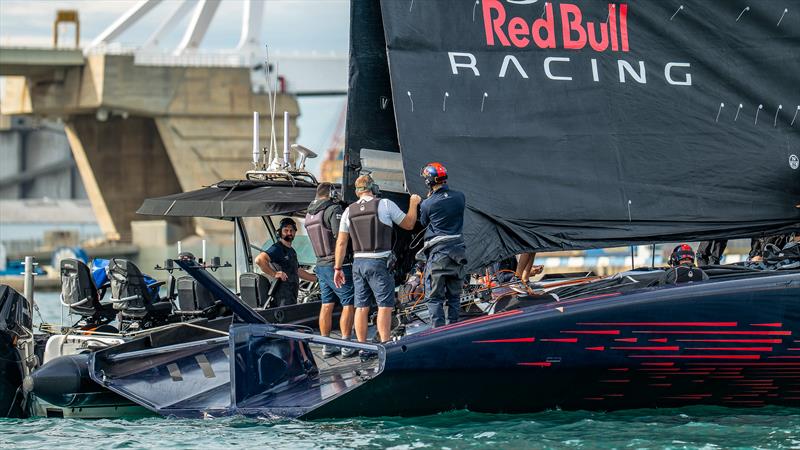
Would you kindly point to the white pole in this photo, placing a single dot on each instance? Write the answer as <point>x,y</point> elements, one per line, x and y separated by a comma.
<point>179,248</point>
<point>204,251</point>
<point>286,138</point>
<point>28,282</point>
<point>256,136</point>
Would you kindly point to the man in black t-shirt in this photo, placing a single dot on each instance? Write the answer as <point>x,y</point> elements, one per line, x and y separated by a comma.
<point>280,262</point>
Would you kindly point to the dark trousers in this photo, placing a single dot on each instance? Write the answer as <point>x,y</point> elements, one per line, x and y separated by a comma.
<point>710,252</point>
<point>444,278</point>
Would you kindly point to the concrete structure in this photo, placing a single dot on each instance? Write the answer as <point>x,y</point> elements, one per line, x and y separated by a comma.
<point>141,131</point>
<point>36,161</point>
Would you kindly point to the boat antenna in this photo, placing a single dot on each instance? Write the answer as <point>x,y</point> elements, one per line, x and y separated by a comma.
<point>271,100</point>
<point>630,220</point>
<point>286,139</point>
<point>256,143</point>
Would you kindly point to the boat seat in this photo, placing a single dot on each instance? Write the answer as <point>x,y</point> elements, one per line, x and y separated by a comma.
<point>131,295</point>
<point>255,289</point>
<point>80,294</point>
<point>193,298</point>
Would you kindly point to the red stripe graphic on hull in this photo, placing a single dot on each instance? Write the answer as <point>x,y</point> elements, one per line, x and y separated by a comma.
<point>536,364</point>
<point>473,321</point>
<point>743,341</point>
<point>592,331</point>
<point>733,349</point>
<point>776,325</point>
<point>659,340</point>
<point>632,340</point>
<point>662,324</point>
<point>499,341</point>
<point>672,348</point>
<point>560,340</point>
<point>699,356</point>
<point>597,349</point>
<point>746,364</point>
<point>761,333</point>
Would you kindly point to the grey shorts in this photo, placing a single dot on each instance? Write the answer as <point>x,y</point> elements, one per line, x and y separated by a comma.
<point>373,283</point>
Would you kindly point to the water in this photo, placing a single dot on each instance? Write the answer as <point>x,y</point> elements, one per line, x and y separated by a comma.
<point>699,427</point>
<point>686,428</point>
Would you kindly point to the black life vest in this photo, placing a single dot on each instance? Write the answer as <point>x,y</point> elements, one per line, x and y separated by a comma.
<point>322,238</point>
<point>369,234</point>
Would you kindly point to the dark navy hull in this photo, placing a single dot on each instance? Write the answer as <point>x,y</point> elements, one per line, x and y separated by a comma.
<point>733,343</point>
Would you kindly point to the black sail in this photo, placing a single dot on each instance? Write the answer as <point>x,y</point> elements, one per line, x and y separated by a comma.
<point>590,124</point>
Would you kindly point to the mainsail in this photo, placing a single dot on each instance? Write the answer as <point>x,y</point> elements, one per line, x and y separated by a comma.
<point>590,124</point>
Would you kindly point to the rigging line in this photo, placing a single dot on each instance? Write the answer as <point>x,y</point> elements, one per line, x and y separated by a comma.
<point>746,8</point>
<point>680,8</point>
<point>785,10</point>
<point>222,202</point>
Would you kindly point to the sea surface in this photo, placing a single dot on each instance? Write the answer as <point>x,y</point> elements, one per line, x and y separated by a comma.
<point>685,428</point>
<point>699,427</point>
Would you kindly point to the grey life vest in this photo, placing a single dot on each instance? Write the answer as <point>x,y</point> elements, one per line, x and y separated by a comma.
<point>322,239</point>
<point>369,234</point>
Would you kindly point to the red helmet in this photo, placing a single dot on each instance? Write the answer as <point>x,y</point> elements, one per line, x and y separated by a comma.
<point>680,253</point>
<point>434,173</point>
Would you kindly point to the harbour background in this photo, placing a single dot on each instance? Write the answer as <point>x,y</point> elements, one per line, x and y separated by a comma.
<point>693,427</point>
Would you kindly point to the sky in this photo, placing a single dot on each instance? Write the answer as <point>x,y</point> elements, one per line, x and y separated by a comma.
<point>288,26</point>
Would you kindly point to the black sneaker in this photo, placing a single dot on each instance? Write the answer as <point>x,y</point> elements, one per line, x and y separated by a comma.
<point>348,352</point>
<point>329,350</point>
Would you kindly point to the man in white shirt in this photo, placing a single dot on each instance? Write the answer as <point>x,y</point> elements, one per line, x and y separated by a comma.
<point>369,223</point>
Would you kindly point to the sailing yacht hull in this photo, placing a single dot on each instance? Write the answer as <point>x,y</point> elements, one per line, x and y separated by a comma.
<point>731,343</point>
<point>722,342</point>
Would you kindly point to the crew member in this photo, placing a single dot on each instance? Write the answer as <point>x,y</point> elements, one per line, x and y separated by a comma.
<point>525,267</point>
<point>322,218</point>
<point>443,215</point>
<point>280,262</point>
<point>368,222</point>
<point>709,253</point>
<point>683,269</point>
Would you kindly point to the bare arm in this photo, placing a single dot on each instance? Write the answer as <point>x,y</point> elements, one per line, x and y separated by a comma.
<point>262,261</point>
<point>341,248</point>
<point>306,275</point>
<point>411,216</point>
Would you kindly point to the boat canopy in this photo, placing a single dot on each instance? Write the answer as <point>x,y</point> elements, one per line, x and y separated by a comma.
<point>575,125</point>
<point>230,199</point>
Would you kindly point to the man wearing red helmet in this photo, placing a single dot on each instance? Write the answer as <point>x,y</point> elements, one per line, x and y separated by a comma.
<point>683,269</point>
<point>442,213</point>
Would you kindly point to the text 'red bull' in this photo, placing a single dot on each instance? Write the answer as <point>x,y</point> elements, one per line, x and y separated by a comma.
<point>541,32</point>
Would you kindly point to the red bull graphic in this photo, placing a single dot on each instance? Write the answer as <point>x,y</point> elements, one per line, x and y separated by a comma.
<point>506,30</point>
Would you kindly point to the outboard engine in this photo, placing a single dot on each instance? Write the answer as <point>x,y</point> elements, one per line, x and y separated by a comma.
<point>16,323</point>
